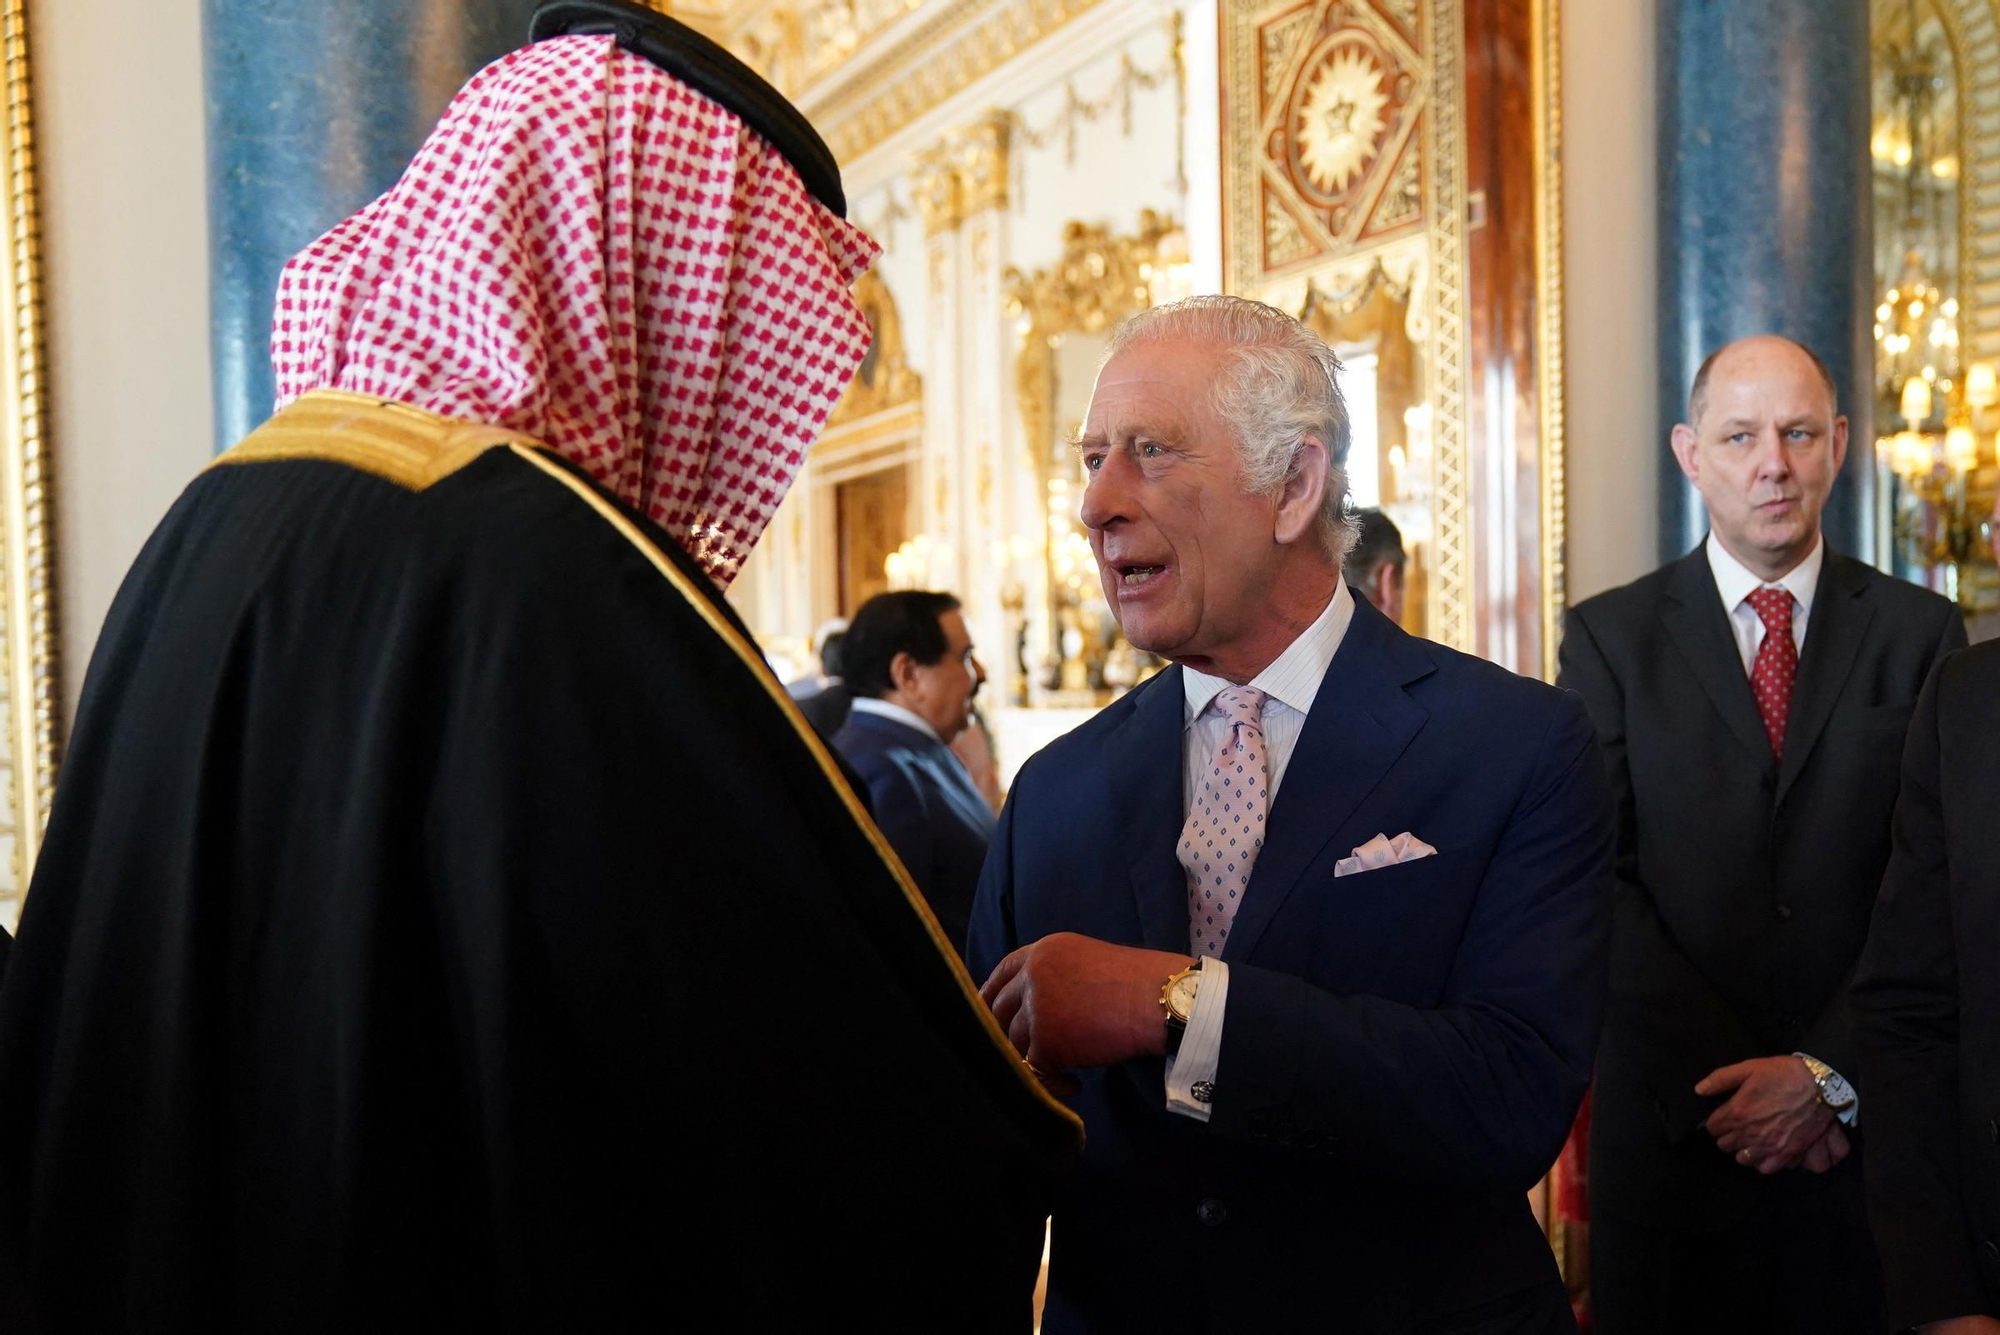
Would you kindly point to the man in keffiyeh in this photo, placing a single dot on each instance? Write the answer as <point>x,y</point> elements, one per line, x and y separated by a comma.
<point>445,920</point>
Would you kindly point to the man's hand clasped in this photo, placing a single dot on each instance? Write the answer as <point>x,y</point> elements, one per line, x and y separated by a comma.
<point>1070,1002</point>
<point>1773,1117</point>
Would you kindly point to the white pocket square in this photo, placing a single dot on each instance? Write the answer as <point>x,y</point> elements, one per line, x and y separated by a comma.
<point>1382,851</point>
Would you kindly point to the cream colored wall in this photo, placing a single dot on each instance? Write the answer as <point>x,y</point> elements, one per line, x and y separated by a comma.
<point>1610,293</point>
<point>118,98</point>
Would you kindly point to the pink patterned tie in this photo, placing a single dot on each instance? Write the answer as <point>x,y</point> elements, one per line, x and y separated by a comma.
<point>1225,825</point>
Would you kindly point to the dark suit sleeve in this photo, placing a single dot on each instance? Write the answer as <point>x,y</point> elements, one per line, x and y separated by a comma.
<point>991,937</point>
<point>1655,986</point>
<point>1907,1034</point>
<point>1479,1091</point>
<point>1830,1037</point>
<point>897,803</point>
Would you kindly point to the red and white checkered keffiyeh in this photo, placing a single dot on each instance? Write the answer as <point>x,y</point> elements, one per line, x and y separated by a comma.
<point>590,252</point>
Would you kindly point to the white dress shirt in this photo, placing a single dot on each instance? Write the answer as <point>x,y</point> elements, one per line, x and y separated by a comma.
<point>1736,584</point>
<point>1291,683</point>
<point>865,704</point>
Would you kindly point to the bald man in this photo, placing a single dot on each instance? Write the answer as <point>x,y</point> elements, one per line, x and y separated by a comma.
<point>1751,698</point>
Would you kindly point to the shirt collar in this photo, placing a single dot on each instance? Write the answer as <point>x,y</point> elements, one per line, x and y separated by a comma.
<point>1293,677</point>
<point>897,714</point>
<point>1735,583</point>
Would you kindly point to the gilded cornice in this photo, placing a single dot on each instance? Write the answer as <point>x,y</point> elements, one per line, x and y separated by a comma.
<point>863,69</point>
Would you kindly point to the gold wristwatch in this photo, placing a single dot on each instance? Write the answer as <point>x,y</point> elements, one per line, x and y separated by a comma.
<point>1834,1091</point>
<point>1177,1000</point>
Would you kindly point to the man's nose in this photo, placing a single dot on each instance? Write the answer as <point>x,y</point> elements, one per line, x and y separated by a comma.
<point>1106,494</point>
<point>978,673</point>
<point>1773,461</point>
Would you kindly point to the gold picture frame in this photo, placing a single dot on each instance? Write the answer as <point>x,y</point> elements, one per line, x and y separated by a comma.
<point>30,686</point>
<point>1309,206</point>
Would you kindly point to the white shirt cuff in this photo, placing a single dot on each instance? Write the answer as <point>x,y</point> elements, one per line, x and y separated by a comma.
<point>1191,1075</point>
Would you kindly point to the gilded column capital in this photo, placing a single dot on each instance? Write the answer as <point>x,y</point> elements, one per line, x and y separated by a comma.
<point>982,149</point>
<point>934,184</point>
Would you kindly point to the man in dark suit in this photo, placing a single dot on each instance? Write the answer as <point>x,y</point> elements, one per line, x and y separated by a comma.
<point>1751,698</point>
<point>823,697</point>
<point>1381,1001</point>
<point>1927,1014</point>
<point>908,660</point>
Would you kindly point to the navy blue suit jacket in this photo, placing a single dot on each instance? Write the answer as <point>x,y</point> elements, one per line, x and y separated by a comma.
<point>1404,1049</point>
<point>927,808</point>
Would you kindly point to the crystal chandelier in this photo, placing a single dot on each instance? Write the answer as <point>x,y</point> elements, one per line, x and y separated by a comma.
<point>1942,458</point>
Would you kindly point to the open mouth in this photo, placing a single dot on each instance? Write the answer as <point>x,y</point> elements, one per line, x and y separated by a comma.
<point>1133,575</point>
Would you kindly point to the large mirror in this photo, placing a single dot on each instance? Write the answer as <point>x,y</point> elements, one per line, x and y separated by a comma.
<point>29,688</point>
<point>1066,314</point>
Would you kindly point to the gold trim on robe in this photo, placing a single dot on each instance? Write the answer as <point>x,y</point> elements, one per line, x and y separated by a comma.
<point>416,449</point>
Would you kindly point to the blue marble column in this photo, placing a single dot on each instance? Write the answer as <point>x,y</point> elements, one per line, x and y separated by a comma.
<point>1765,217</point>
<point>314,108</point>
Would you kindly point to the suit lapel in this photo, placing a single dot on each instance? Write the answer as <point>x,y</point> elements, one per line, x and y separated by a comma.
<point>1145,761</point>
<point>1699,626</point>
<point>956,784</point>
<point>1839,622</point>
<point>1361,722</point>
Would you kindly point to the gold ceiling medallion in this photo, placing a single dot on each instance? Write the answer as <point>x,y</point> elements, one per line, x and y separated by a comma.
<point>1341,121</point>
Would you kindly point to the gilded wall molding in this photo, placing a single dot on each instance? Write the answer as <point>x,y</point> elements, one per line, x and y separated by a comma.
<point>1344,138</point>
<point>1452,588</point>
<point>1550,359</point>
<point>27,546</point>
<point>1100,279</point>
<point>884,380</point>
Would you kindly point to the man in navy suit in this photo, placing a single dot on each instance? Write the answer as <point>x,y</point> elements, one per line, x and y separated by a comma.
<point>908,660</point>
<point>1384,995</point>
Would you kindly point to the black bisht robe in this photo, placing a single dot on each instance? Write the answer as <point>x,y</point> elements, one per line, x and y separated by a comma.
<point>445,923</point>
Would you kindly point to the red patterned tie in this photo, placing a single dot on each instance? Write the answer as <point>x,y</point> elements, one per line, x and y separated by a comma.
<point>1777,664</point>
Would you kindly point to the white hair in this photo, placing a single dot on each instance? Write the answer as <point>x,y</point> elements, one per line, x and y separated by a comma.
<point>1276,384</point>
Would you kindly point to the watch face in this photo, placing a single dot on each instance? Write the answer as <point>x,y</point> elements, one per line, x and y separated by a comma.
<point>1180,997</point>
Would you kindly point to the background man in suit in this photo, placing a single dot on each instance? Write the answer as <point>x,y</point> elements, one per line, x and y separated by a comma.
<point>1751,698</point>
<point>1927,1014</point>
<point>1374,1061</point>
<point>823,696</point>
<point>1374,568</point>
<point>908,660</point>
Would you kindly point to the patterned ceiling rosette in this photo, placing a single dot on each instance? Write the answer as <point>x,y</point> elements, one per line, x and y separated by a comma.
<point>1342,91</point>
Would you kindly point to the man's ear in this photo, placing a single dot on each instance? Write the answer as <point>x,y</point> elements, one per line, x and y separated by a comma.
<point>1684,455</point>
<point>1384,582</point>
<point>1304,491</point>
<point>1839,444</point>
<point>903,672</point>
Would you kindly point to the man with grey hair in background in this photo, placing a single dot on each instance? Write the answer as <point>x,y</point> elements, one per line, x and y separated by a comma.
<point>1311,926</point>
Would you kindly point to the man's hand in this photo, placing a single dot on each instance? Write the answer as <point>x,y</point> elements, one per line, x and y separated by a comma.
<point>1773,1116</point>
<point>1069,1002</point>
<point>1827,1151</point>
<point>1961,1325</point>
